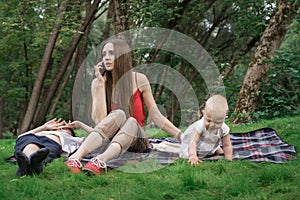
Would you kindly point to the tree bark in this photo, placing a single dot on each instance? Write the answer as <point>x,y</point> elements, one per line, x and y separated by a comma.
<point>109,15</point>
<point>40,116</point>
<point>250,94</point>
<point>36,92</point>
<point>119,19</point>
<point>60,92</point>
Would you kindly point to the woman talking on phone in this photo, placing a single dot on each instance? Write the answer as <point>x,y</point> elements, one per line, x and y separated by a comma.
<point>118,99</point>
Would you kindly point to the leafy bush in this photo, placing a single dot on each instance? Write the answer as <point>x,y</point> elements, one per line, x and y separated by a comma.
<point>281,95</point>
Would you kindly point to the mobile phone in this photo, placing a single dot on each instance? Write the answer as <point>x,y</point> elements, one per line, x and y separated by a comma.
<point>102,69</point>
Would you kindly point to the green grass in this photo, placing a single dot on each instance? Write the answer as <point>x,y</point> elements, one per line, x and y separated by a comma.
<point>209,180</point>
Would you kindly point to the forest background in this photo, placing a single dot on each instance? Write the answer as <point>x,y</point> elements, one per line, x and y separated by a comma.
<point>254,44</point>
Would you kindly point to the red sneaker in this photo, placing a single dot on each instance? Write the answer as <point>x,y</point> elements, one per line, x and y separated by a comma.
<point>74,165</point>
<point>95,166</point>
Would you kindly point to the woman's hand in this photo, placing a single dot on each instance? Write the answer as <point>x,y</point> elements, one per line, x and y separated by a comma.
<point>98,91</point>
<point>80,125</point>
<point>74,125</point>
<point>53,124</point>
<point>98,75</point>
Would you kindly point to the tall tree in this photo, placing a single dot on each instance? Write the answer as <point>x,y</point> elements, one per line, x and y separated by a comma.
<point>221,27</point>
<point>89,16</point>
<point>119,15</point>
<point>249,96</point>
<point>35,95</point>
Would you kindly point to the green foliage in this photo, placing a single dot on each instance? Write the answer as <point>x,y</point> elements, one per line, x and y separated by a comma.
<point>242,16</point>
<point>21,51</point>
<point>152,13</point>
<point>222,29</point>
<point>26,25</point>
<point>281,94</point>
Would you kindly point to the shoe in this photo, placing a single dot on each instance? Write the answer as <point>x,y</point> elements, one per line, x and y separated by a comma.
<point>23,163</point>
<point>95,166</point>
<point>74,165</point>
<point>37,159</point>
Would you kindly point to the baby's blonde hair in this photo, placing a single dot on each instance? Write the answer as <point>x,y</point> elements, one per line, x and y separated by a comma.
<point>216,104</point>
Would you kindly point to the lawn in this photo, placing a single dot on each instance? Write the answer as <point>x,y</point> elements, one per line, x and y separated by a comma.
<point>209,180</point>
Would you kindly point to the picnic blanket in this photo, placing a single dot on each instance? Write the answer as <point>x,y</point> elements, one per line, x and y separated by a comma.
<point>261,145</point>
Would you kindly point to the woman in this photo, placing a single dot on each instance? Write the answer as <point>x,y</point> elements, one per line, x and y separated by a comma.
<point>118,99</point>
<point>41,145</point>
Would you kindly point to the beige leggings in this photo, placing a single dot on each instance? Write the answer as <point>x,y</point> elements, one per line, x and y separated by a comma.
<point>115,128</point>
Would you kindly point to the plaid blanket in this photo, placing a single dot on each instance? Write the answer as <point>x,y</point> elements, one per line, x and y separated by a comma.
<point>160,157</point>
<point>262,145</point>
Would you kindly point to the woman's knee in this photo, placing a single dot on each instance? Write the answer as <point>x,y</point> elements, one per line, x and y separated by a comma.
<point>119,116</point>
<point>111,123</point>
<point>130,127</point>
<point>132,123</point>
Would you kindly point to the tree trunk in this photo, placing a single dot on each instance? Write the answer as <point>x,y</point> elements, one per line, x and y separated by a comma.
<point>159,90</point>
<point>80,57</point>
<point>40,117</point>
<point>63,85</point>
<point>249,96</point>
<point>36,92</point>
<point>119,19</point>
<point>108,22</point>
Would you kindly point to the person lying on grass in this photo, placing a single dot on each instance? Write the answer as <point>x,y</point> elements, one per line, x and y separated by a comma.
<point>203,137</point>
<point>41,145</point>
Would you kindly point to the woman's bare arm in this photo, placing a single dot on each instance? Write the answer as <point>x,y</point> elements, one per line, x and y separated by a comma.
<point>49,125</point>
<point>80,125</point>
<point>160,120</point>
<point>99,107</point>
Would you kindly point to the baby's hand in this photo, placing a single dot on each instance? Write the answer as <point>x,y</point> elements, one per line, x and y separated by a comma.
<point>194,160</point>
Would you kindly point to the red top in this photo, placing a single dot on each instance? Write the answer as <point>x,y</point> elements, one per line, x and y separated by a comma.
<point>138,106</point>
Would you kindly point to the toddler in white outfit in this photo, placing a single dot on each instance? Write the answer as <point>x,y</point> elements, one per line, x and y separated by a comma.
<point>203,137</point>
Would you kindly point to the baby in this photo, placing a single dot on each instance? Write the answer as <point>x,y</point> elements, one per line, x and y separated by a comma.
<point>203,137</point>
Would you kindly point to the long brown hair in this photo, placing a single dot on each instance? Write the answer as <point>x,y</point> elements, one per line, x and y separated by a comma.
<point>119,86</point>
